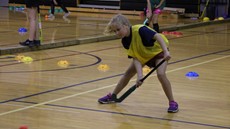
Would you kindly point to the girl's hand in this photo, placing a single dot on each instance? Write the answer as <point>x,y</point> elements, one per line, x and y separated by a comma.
<point>167,55</point>
<point>139,83</point>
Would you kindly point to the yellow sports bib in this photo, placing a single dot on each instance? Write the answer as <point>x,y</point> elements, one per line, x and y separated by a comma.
<point>141,52</point>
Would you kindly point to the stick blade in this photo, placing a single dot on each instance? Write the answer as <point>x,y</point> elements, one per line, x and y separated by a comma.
<point>127,93</point>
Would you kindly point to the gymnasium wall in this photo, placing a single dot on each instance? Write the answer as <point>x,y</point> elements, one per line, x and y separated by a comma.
<point>215,8</point>
<point>68,3</point>
<point>4,3</point>
<point>190,6</point>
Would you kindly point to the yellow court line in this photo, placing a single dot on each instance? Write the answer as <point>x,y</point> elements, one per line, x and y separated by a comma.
<point>89,91</point>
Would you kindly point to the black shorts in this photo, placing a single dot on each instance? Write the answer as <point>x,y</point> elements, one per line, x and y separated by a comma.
<point>32,3</point>
<point>152,63</point>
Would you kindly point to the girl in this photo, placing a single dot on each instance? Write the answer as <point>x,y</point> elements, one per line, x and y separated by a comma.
<point>145,47</point>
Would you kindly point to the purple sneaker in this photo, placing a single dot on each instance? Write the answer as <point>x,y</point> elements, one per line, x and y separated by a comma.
<point>173,107</point>
<point>109,98</point>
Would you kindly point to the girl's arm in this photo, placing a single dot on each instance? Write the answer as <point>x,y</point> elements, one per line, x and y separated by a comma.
<point>138,67</point>
<point>163,46</point>
<point>149,9</point>
<point>159,5</point>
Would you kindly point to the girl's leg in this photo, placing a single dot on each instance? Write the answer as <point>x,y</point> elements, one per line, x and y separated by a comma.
<point>155,22</point>
<point>166,85</point>
<point>33,23</point>
<point>110,98</point>
<point>149,22</point>
<point>52,6</point>
<point>60,3</point>
<point>130,72</point>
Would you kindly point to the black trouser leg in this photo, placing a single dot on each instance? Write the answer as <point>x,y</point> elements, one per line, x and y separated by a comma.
<point>52,6</point>
<point>156,27</point>
<point>60,3</point>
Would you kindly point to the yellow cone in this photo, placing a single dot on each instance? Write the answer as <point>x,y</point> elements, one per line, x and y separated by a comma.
<point>220,18</point>
<point>206,19</point>
<point>27,60</point>
<point>63,63</point>
<point>103,67</point>
<point>19,58</point>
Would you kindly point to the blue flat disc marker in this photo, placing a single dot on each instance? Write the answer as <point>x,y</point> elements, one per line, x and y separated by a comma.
<point>192,75</point>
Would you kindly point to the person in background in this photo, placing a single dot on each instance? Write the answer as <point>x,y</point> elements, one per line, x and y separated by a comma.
<point>154,8</point>
<point>61,4</point>
<point>32,11</point>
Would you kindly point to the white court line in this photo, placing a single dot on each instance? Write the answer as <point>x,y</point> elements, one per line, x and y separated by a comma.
<point>89,91</point>
<point>49,109</point>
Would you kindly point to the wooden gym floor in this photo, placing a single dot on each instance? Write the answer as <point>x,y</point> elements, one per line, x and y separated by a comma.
<point>43,95</point>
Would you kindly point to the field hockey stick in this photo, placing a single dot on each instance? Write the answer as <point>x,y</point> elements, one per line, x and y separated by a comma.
<point>40,25</point>
<point>146,22</point>
<point>202,15</point>
<point>133,88</point>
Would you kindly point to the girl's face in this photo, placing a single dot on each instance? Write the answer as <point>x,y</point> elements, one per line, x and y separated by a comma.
<point>120,30</point>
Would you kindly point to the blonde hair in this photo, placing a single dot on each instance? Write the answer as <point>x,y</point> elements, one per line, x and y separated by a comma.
<point>117,20</point>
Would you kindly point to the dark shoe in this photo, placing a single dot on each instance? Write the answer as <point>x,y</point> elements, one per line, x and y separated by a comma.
<point>37,42</point>
<point>173,107</point>
<point>27,43</point>
<point>109,98</point>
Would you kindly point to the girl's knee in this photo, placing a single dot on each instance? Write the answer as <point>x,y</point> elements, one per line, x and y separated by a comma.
<point>129,73</point>
<point>161,75</point>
